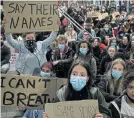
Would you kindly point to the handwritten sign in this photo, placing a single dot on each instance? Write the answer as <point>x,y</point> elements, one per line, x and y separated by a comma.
<point>72,109</point>
<point>93,14</point>
<point>30,16</point>
<point>28,91</point>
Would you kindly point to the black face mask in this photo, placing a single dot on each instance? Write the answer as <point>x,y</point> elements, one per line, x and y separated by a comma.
<point>2,43</point>
<point>30,45</point>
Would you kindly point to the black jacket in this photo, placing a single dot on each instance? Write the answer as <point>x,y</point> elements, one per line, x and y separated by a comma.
<point>92,62</point>
<point>5,54</point>
<point>115,107</point>
<point>105,87</point>
<point>63,66</point>
<point>103,33</point>
<point>104,62</point>
<point>93,93</point>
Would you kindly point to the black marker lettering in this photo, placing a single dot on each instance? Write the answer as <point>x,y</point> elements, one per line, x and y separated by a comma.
<point>32,84</point>
<point>2,82</point>
<point>20,98</point>
<point>11,82</point>
<point>31,7</point>
<point>51,22</point>
<point>12,23</point>
<point>30,99</point>
<point>10,5</point>
<point>24,22</point>
<point>20,82</point>
<point>8,96</point>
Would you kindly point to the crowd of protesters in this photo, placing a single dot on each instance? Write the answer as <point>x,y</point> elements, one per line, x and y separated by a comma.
<point>98,61</point>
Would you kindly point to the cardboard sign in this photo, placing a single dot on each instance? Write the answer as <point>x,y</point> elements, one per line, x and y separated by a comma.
<point>93,14</point>
<point>28,91</point>
<point>72,109</point>
<point>30,16</point>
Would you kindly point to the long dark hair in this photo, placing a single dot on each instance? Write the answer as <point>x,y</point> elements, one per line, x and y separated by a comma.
<point>90,49</point>
<point>127,78</point>
<point>89,83</point>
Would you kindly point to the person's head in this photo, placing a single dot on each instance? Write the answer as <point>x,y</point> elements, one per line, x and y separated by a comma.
<point>119,55</point>
<point>86,35</point>
<point>117,68</point>
<point>84,48</point>
<point>46,69</point>
<point>62,42</point>
<point>80,75</point>
<point>124,40</point>
<point>30,42</point>
<point>111,51</point>
<point>113,42</point>
<point>70,28</point>
<point>106,27</point>
<point>30,36</point>
<point>96,42</point>
<point>128,84</point>
<point>88,24</point>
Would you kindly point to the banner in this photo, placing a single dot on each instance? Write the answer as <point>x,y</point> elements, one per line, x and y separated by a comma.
<point>93,14</point>
<point>30,16</point>
<point>72,109</point>
<point>28,91</point>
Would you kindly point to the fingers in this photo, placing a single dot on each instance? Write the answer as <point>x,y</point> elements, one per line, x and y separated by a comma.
<point>99,115</point>
<point>45,115</point>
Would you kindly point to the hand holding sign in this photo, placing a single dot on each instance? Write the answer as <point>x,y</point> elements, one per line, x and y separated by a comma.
<point>45,115</point>
<point>99,115</point>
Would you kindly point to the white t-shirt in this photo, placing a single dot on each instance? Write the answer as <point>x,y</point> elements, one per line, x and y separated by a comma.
<point>126,110</point>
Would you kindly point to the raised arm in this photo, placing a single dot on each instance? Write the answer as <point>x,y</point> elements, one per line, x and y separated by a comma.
<point>49,40</point>
<point>15,44</point>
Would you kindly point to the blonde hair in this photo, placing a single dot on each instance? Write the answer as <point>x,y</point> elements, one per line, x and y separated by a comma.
<point>61,38</point>
<point>119,61</point>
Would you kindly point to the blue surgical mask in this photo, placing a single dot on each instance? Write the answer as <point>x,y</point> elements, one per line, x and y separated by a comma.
<point>113,44</point>
<point>116,74</point>
<point>78,82</point>
<point>106,29</point>
<point>83,51</point>
<point>132,38</point>
<point>44,74</point>
<point>61,46</point>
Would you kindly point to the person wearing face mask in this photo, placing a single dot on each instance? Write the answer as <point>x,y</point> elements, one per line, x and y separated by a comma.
<point>5,56</point>
<point>111,85</point>
<point>84,50</point>
<point>111,51</point>
<point>47,70</point>
<point>62,57</point>
<point>31,53</point>
<point>124,43</point>
<point>88,27</point>
<point>79,88</point>
<point>105,34</point>
<point>123,107</point>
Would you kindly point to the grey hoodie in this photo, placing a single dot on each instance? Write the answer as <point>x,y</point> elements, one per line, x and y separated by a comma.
<point>27,61</point>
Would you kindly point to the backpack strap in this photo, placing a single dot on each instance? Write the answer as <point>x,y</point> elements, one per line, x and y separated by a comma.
<point>117,108</point>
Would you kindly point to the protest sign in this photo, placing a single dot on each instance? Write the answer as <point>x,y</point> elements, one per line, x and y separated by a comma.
<point>28,91</point>
<point>30,16</point>
<point>72,109</point>
<point>93,14</point>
